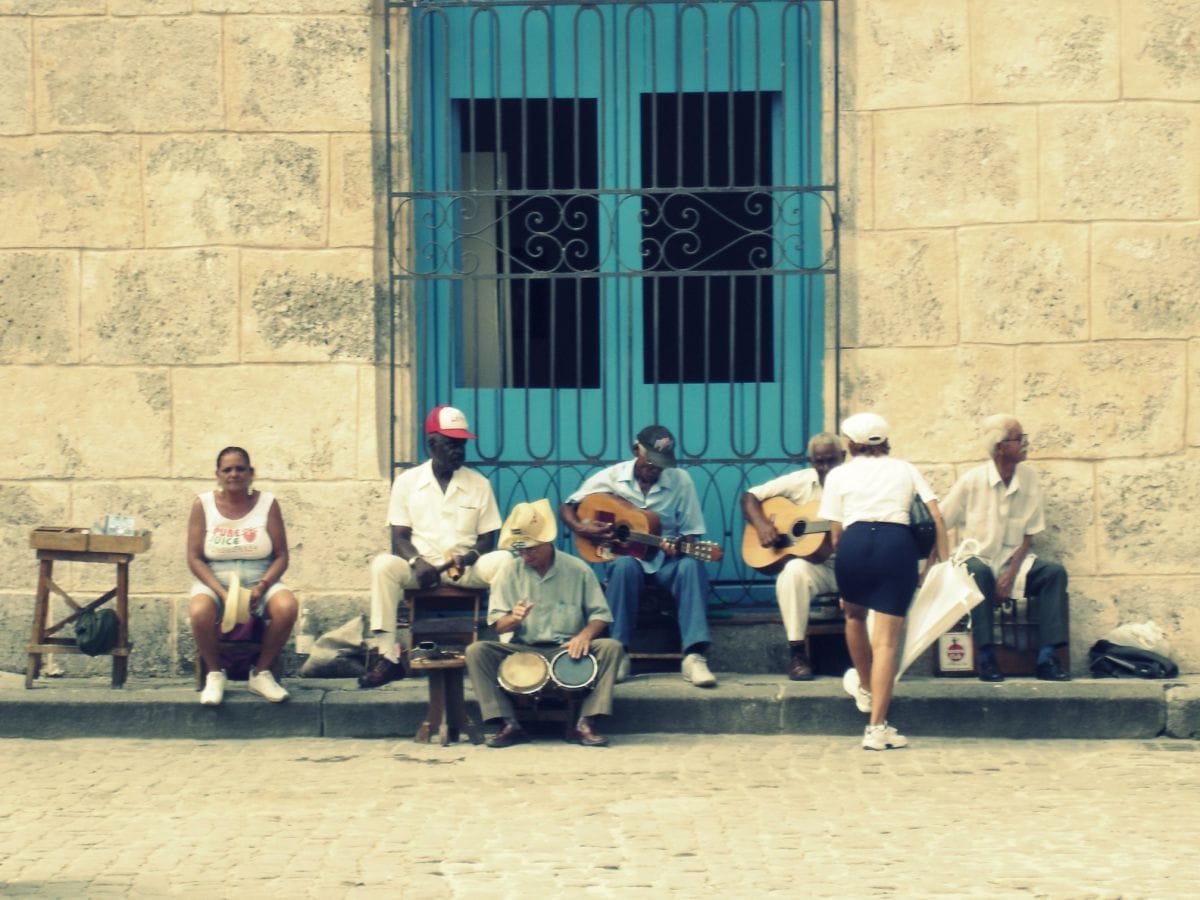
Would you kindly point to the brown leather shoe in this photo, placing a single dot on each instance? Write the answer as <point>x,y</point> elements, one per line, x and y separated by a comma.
<point>584,734</point>
<point>381,673</point>
<point>507,736</point>
<point>800,669</point>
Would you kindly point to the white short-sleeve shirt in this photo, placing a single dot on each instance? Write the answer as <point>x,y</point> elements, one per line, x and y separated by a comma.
<point>800,487</point>
<point>443,523</point>
<point>995,514</point>
<point>872,489</point>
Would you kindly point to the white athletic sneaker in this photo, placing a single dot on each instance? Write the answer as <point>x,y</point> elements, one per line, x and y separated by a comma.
<point>214,689</point>
<point>264,684</point>
<point>853,685</point>
<point>623,668</point>
<point>883,737</point>
<point>695,669</point>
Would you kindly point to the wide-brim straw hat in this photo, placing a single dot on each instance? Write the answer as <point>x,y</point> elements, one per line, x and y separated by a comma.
<point>237,605</point>
<point>528,525</point>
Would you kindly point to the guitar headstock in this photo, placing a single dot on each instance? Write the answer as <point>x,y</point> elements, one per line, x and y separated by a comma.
<point>705,551</point>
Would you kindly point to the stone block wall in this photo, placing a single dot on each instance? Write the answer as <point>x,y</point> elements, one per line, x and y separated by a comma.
<point>190,257</point>
<point>1022,235</point>
<point>187,260</point>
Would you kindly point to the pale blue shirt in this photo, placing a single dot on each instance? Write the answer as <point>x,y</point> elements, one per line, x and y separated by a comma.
<point>672,498</point>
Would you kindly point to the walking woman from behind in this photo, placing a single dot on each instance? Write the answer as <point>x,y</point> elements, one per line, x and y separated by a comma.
<point>867,501</point>
<point>238,529</point>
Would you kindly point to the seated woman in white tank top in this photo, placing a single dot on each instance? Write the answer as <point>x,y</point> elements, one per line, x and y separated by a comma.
<point>238,530</point>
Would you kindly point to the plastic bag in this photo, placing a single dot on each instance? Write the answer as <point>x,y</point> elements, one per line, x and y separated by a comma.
<point>1146,635</point>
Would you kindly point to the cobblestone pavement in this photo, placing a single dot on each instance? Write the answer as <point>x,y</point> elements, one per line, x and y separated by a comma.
<point>737,816</point>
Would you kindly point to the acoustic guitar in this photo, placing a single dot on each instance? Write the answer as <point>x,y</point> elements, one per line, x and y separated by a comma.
<point>636,532</point>
<point>801,534</point>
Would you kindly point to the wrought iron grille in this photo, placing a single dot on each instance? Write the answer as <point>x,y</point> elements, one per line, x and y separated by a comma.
<point>607,214</point>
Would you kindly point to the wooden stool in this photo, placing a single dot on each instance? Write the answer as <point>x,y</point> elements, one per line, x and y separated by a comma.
<point>43,639</point>
<point>447,712</point>
<point>448,617</point>
<point>241,648</point>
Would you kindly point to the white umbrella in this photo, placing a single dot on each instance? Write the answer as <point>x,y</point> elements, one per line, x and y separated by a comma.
<point>948,594</point>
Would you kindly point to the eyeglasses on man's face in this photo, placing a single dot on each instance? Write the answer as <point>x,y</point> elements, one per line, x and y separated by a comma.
<point>1023,439</point>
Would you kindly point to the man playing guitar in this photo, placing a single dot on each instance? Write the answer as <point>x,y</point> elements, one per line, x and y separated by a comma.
<point>799,578</point>
<point>651,481</point>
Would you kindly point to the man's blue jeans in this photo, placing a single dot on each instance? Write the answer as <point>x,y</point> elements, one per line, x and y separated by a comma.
<point>683,576</point>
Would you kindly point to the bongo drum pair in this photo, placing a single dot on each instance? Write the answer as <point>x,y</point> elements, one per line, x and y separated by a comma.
<point>528,673</point>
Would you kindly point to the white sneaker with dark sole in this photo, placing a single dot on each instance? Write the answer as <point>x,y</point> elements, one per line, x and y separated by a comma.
<point>853,685</point>
<point>883,737</point>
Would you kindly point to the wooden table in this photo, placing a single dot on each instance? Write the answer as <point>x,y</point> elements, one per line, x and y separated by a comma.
<point>46,638</point>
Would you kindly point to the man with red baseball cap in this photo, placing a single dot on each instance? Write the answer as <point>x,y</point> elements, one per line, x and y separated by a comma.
<point>444,518</point>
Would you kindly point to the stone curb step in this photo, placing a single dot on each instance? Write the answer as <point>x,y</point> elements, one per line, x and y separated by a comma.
<point>662,702</point>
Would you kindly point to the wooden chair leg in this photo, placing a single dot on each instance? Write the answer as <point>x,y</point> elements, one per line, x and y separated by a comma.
<point>435,714</point>
<point>457,712</point>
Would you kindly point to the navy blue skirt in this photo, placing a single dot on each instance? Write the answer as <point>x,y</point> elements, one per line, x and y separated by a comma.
<point>876,566</point>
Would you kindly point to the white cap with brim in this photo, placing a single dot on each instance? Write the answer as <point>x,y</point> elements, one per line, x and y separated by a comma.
<point>866,428</point>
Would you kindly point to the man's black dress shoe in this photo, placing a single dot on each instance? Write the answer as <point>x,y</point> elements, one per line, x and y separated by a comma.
<point>584,734</point>
<point>989,670</point>
<point>1052,671</point>
<point>507,736</point>
<point>381,673</point>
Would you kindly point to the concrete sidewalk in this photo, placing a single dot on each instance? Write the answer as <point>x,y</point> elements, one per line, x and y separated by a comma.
<point>660,702</point>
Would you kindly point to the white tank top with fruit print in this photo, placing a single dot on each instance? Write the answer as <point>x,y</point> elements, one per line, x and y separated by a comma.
<point>244,538</point>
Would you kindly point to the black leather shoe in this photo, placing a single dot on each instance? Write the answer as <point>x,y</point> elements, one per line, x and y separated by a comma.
<point>989,670</point>
<point>507,736</point>
<point>586,735</point>
<point>381,673</point>
<point>1052,671</point>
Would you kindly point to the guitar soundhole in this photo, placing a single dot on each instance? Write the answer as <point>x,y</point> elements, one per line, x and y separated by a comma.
<point>621,533</point>
<point>799,528</point>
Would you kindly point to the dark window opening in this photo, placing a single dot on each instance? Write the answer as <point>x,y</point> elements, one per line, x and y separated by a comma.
<point>530,220</point>
<point>707,217</point>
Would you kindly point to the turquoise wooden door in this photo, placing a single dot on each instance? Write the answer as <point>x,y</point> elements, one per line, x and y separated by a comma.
<point>617,218</point>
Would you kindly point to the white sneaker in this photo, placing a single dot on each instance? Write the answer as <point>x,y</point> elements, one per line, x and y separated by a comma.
<point>264,684</point>
<point>853,685</point>
<point>695,669</point>
<point>624,668</point>
<point>214,689</point>
<point>883,737</point>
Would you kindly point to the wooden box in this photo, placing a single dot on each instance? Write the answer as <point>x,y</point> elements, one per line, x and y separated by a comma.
<point>119,543</point>
<point>81,540</point>
<point>58,537</point>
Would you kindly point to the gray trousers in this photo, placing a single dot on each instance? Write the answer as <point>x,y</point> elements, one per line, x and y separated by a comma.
<point>483,664</point>
<point>1046,588</point>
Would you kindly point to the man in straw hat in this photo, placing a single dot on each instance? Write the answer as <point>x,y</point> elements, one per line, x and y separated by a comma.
<point>651,481</point>
<point>547,602</point>
<point>444,518</point>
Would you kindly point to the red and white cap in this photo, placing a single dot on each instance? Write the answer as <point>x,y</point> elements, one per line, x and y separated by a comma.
<point>448,421</point>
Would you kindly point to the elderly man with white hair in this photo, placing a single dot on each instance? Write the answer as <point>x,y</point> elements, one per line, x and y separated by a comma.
<point>999,504</point>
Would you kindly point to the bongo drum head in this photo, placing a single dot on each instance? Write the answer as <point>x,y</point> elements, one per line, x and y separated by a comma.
<point>573,674</point>
<point>524,673</point>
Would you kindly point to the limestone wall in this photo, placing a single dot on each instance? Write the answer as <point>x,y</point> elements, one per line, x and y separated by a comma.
<point>189,257</point>
<point>1022,233</point>
<point>187,261</point>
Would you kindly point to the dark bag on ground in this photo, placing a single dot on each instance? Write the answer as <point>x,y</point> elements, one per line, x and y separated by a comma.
<point>1108,660</point>
<point>96,631</point>
<point>920,521</point>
